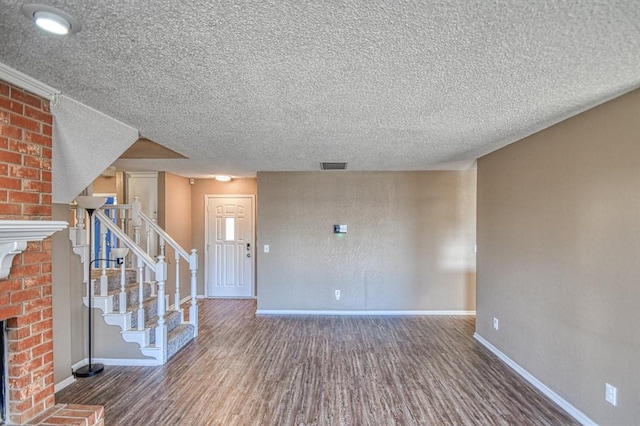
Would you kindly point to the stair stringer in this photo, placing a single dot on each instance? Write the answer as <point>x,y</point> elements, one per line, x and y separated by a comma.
<point>104,303</point>
<point>141,337</point>
<point>116,318</point>
<point>153,352</point>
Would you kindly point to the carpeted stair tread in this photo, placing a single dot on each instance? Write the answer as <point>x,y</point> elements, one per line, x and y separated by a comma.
<point>132,291</point>
<point>172,319</point>
<point>178,338</point>
<point>150,306</point>
<point>113,278</point>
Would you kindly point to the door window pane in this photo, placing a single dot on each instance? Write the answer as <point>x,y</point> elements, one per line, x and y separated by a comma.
<point>230,229</point>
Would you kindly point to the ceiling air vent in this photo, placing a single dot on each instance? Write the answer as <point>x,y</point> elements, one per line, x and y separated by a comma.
<point>333,166</point>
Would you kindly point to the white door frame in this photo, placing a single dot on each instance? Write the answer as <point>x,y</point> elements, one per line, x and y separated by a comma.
<point>206,238</point>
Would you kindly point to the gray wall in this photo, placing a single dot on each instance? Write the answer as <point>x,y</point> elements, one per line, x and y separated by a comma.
<point>69,320</point>
<point>559,257</point>
<point>409,245</point>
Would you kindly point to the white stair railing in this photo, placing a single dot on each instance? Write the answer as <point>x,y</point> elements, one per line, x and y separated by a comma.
<point>158,269</point>
<point>191,259</point>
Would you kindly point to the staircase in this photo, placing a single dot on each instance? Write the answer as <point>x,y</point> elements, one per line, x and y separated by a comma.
<point>179,333</point>
<point>133,297</point>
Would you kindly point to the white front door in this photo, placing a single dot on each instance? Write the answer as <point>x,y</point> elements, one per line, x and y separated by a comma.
<point>229,244</point>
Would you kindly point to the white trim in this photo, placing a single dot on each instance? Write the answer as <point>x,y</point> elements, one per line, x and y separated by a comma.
<point>29,230</point>
<point>79,364</point>
<point>128,362</point>
<point>231,297</point>
<point>27,83</point>
<point>121,362</point>
<point>253,242</point>
<point>358,313</point>
<point>142,174</point>
<point>63,384</point>
<point>201,296</point>
<point>566,406</point>
<point>14,235</point>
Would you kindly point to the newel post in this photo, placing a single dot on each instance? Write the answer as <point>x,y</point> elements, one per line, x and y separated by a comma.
<point>193,309</point>
<point>161,328</point>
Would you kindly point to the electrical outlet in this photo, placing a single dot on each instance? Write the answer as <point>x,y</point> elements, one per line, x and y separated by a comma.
<point>611,394</point>
<point>496,323</point>
<point>337,294</point>
<point>266,248</point>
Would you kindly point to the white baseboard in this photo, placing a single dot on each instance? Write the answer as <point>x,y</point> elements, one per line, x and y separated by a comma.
<point>79,364</point>
<point>63,384</point>
<point>122,362</point>
<point>128,362</point>
<point>359,312</point>
<point>566,406</point>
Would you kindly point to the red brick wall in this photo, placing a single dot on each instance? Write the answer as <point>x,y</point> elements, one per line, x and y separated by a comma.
<point>25,296</point>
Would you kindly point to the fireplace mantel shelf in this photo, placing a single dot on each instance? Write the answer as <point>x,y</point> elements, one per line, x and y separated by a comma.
<point>14,235</point>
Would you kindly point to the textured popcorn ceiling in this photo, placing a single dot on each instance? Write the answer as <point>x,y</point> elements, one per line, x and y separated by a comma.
<point>240,87</point>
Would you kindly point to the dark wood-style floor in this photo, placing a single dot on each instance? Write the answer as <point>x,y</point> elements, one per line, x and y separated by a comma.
<point>245,369</point>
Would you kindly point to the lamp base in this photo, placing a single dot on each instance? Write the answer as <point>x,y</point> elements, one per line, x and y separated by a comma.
<point>89,370</point>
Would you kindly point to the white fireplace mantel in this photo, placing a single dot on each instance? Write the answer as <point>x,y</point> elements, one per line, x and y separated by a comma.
<point>14,235</point>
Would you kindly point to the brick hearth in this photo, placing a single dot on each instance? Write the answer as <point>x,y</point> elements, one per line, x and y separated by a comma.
<point>25,296</point>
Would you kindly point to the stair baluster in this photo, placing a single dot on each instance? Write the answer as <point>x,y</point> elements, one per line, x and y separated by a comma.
<point>176,304</point>
<point>80,231</point>
<point>161,328</point>
<point>102,262</point>
<point>123,290</point>
<point>147,272</point>
<point>140,294</point>
<point>123,221</point>
<point>193,310</point>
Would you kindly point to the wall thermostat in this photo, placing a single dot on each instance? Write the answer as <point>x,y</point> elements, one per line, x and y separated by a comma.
<point>339,229</point>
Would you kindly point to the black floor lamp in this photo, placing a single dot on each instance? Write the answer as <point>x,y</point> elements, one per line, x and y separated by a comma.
<point>90,204</point>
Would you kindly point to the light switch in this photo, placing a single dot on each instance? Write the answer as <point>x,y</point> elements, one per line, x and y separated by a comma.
<point>266,248</point>
<point>339,229</point>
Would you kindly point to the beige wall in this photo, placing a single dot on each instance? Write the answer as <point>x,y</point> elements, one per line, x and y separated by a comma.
<point>110,185</point>
<point>559,257</point>
<point>199,189</point>
<point>174,216</point>
<point>409,245</point>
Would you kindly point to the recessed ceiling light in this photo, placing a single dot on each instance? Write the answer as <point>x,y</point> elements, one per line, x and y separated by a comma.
<point>51,19</point>
<point>222,178</point>
<point>52,23</point>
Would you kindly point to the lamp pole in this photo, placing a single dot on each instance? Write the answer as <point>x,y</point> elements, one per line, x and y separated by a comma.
<point>90,204</point>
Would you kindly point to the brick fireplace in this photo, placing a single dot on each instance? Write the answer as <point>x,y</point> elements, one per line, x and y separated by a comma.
<point>26,294</point>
